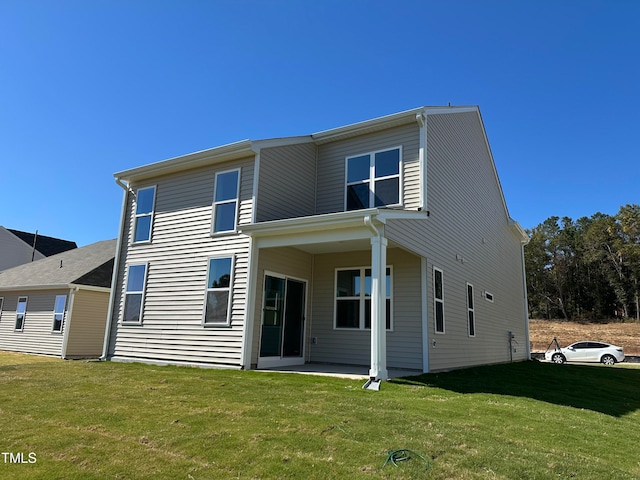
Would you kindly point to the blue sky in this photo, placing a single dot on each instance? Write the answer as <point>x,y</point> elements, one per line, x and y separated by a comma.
<point>89,88</point>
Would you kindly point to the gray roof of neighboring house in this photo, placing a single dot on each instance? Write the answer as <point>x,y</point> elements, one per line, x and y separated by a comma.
<point>90,265</point>
<point>45,245</point>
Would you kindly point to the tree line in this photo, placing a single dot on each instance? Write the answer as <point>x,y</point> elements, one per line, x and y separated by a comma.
<point>585,269</point>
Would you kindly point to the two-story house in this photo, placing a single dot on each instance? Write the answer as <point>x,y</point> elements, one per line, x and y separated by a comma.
<point>386,243</point>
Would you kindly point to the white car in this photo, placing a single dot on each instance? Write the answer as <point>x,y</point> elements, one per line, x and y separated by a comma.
<point>586,351</point>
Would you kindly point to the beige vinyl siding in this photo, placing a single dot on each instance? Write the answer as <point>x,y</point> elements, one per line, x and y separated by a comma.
<point>331,165</point>
<point>289,262</point>
<point>468,237</point>
<point>404,343</point>
<point>14,252</point>
<point>286,185</point>
<point>177,258</point>
<point>86,325</point>
<point>37,336</point>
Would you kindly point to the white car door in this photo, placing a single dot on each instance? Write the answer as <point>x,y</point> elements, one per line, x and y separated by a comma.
<point>594,351</point>
<point>576,352</point>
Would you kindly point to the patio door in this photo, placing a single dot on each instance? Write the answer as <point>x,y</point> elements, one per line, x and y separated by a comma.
<point>283,315</point>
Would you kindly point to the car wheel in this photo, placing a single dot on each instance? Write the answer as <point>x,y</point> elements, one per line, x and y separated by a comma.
<point>608,359</point>
<point>558,358</point>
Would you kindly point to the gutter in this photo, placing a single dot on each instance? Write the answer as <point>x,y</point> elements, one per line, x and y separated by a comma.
<point>116,266</point>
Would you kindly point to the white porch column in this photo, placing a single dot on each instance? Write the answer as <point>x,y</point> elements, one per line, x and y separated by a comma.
<point>378,369</point>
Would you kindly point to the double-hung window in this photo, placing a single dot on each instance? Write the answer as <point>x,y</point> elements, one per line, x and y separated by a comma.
<point>21,313</point>
<point>218,297</point>
<point>471,313</point>
<point>225,201</point>
<point>353,298</point>
<point>58,312</point>
<point>134,295</point>
<point>438,299</point>
<point>145,204</point>
<point>374,180</point>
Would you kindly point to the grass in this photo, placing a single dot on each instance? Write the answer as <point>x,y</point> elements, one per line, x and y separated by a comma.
<point>90,420</point>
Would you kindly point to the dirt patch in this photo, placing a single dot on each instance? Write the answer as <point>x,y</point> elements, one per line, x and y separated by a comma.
<point>625,335</point>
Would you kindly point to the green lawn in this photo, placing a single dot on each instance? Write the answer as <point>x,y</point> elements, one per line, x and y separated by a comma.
<point>86,420</point>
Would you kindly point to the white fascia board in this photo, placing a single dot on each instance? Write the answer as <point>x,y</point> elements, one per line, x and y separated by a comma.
<point>328,221</point>
<point>444,110</point>
<point>518,228</point>
<point>401,215</point>
<point>281,142</point>
<point>90,288</point>
<point>60,286</point>
<point>27,288</point>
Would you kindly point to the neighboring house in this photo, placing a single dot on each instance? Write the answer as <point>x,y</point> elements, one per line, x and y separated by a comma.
<point>386,243</point>
<point>58,305</point>
<point>18,247</point>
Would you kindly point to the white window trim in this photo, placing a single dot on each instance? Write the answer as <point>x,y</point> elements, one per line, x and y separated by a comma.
<point>143,292</point>
<point>440,300</point>
<point>137,215</point>
<point>362,298</point>
<point>236,201</point>
<point>206,324</point>
<point>64,311</point>
<point>24,318</point>
<point>1,305</point>
<point>373,178</point>
<point>488,296</point>
<point>471,309</point>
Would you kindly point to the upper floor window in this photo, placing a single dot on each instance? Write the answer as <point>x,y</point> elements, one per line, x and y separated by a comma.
<point>58,312</point>
<point>225,201</point>
<point>134,294</point>
<point>21,312</point>
<point>353,298</point>
<point>145,201</point>
<point>373,179</point>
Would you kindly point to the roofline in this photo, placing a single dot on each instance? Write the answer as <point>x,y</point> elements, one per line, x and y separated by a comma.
<point>223,153</point>
<point>387,121</point>
<point>247,147</point>
<point>57,286</point>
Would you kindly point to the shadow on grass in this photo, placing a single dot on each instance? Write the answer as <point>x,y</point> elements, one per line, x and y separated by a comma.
<point>613,391</point>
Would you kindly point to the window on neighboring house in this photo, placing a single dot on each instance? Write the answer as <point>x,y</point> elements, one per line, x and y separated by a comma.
<point>145,201</point>
<point>134,295</point>
<point>21,312</point>
<point>1,303</point>
<point>438,298</point>
<point>225,201</point>
<point>58,312</point>
<point>218,297</point>
<point>471,311</point>
<point>353,298</point>
<point>373,179</point>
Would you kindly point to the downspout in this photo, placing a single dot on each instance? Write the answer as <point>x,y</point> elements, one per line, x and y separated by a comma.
<point>116,267</point>
<point>422,160</point>
<point>526,300</point>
